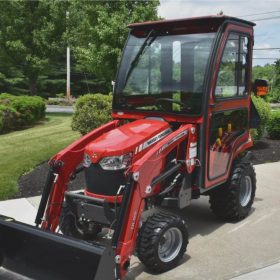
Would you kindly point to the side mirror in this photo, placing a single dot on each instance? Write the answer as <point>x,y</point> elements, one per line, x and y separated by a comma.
<point>260,87</point>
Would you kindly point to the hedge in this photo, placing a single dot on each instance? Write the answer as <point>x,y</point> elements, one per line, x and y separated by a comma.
<point>91,111</point>
<point>264,111</point>
<point>19,111</point>
<point>273,127</point>
<point>8,117</point>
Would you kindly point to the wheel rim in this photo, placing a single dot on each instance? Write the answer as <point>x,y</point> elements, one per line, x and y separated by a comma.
<point>170,244</point>
<point>245,191</point>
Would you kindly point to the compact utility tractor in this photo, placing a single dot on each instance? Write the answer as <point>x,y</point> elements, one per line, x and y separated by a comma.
<point>181,117</point>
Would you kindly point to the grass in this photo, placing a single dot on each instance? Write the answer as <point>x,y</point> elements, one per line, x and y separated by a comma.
<point>21,151</point>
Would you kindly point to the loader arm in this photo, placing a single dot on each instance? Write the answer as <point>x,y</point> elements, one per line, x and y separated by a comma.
<point>143,182</point>
<point>62,165</point>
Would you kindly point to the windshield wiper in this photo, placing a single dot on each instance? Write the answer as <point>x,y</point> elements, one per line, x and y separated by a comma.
<point>152,34</point>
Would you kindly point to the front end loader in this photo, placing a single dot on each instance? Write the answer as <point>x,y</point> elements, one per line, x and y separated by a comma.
<point>181,117</point>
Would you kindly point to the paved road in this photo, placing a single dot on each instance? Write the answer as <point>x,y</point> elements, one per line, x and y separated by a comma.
<point>59,109</point>
<point>216,250</point>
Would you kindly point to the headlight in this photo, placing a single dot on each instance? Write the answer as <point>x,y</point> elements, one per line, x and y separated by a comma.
<point>116,162</point>
<point>87,160</point>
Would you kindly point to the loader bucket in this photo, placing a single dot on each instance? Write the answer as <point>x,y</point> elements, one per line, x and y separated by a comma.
<point>27,252</point>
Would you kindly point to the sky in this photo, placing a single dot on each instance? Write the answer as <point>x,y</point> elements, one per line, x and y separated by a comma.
<point>267,31</point>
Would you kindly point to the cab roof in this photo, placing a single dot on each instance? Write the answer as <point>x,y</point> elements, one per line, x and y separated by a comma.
<point>216,20</point>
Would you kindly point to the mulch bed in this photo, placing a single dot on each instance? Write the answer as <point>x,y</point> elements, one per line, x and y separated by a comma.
<point>31,184</point>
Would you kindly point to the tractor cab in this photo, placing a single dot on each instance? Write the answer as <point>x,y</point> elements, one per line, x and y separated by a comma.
<point>163,69</point>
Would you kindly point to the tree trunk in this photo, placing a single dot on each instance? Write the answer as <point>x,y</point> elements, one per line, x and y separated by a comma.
<point>33,86</point>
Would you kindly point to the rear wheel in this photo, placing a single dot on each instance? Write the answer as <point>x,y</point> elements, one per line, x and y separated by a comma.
<point>233,200</point>
<point>70,225</point>
<point>162,241</point>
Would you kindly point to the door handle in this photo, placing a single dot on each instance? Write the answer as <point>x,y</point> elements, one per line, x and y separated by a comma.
<point>215,105</point>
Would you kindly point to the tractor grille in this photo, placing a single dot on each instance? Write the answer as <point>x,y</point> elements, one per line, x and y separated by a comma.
<point>103,182</point>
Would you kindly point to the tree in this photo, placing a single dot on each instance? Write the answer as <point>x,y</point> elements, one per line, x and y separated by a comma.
<point>31,36</point>
<point>34,35</point>
<point>277,74</point>
<point>98,39</point>
<point>266,72</point>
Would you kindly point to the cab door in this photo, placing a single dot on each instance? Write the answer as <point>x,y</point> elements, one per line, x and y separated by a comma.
<point>228,112</point>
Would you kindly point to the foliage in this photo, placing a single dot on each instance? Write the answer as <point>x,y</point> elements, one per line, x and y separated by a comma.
<point>19,111</point>
<point>271,73</point>
<point>277,74</point>
<point>8,118</point>
<point>266,72</point>
<point>61,101</point>
<point>21,151</point>
<point>274,95</point>
<point>31,36</point>
<point>91,111</point>
<point>98,39</point>
<point>264,111</point>
<point>254,134</point>
<point>273,127</point>
<point>34,36</point>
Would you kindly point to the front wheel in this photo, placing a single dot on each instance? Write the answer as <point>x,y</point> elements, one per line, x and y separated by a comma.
<point>234,199</point>
<point>162,241</point>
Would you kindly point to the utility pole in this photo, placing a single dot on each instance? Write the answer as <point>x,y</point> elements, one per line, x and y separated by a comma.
<point>68,92</point>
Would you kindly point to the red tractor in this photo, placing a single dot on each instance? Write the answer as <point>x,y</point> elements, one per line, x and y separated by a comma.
<point>182,112</point>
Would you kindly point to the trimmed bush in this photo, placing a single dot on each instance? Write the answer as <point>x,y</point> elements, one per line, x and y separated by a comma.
<point>264,111</point>
<point>273,127</point>
<point>8,118</point>
<point>91,111</point>
<point>20,111</point>
<point>61,101</point>
<point>31,109</point>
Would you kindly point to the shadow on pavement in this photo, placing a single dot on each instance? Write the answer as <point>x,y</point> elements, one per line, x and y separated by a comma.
<point>200,221</point>
<point>137,268</point>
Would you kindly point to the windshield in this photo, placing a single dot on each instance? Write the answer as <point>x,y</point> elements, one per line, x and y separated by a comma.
<point>163,72</point>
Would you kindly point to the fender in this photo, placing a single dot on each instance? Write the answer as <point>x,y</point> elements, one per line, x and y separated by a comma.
<point>140,176</point>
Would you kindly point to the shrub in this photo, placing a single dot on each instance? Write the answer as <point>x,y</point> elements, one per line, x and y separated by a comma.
<point>273,127</point>
<point>53,101</point>
<point>60,95</point>
<point>91,111</point>
<point>8,118</point>
<point>30,108</point>
<point>273,96</point>
<point>264,111</point>
<point>61,101</point>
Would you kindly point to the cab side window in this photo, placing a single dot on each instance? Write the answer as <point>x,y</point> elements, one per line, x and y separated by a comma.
<point>232,80</point>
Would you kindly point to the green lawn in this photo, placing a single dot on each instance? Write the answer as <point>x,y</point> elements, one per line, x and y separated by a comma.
<point>21,151</point>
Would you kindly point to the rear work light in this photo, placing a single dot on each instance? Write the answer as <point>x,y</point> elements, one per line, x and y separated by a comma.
<point>116,162</point>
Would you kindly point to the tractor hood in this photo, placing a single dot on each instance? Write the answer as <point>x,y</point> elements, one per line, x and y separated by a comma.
<point>135,137</point>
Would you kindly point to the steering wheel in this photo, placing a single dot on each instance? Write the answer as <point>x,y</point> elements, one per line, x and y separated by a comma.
<point>171,101</point>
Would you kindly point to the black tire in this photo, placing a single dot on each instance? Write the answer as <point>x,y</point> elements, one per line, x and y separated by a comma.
<point>70,226</point>
<point>233,200</point>
<point>151,236</point>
